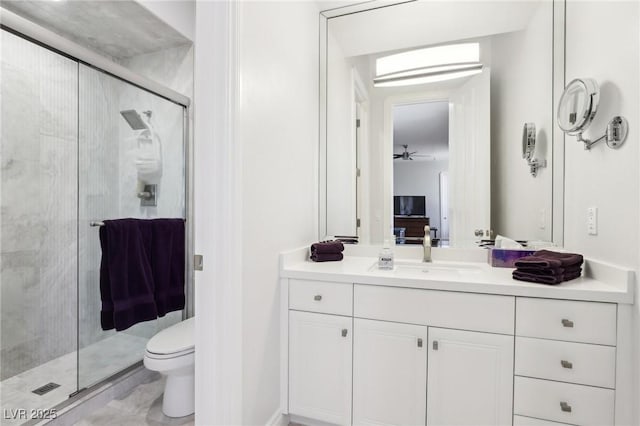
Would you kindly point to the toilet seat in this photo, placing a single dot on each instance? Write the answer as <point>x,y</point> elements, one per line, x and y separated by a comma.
<point>153,355</point>
<point>173,341</point>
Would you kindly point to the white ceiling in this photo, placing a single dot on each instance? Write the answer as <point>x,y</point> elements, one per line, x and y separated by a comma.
<point>424,127</point>
<point>427,22</point>
<point>119,29</point>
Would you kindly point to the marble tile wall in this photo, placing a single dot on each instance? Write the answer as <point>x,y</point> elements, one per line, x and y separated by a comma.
<point>38,264</point>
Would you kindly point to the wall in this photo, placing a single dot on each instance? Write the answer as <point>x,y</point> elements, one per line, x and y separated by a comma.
<point>521,92</point>
<point>278,132</point>
<point>256,142</point>
<point>421,178</point>
<point>605,178</point>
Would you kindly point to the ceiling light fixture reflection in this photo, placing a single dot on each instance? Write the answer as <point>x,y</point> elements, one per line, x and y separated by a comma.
<point>428,65</point>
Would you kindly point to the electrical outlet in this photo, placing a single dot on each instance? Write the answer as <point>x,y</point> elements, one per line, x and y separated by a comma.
<point>592,221</point>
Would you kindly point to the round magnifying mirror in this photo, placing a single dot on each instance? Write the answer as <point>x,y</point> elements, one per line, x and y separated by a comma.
<point>528,140</point>
<point>578,105</point>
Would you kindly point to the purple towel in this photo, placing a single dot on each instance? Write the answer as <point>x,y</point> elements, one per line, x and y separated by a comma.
<point>326,257</point>
<point>546,279</point>
<point>549,259</point>
<point>168,264</point>
<point>126,281</point>
<point>327,247</point>
<point>550,271</point>
<point>142,270</point>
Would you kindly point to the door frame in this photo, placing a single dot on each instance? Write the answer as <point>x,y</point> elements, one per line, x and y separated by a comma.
<point>387,148</point>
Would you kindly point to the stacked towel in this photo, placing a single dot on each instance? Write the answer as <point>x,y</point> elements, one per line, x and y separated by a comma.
<point>327,251</point>
<point>548,267</point>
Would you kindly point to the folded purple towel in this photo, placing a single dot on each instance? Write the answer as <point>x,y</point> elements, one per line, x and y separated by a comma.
<point>327,247</point>
<point>326,257</point>
<point>549,259</point>
<point>546,279</point>
<point>550,271</point>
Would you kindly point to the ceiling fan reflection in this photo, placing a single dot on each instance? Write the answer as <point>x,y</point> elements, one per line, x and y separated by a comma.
<point>406,155</point>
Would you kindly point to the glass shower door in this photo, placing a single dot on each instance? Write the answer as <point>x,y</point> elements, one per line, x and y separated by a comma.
<point>38,228</point>
<point>131,165</point>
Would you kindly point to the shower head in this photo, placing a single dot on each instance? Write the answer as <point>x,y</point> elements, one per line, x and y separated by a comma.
<point>133,118</point>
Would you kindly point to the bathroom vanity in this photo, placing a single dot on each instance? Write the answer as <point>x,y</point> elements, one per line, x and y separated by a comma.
<point>452,342</point>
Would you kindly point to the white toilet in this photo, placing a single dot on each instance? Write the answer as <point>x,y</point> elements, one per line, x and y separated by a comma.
<point>171,352</point>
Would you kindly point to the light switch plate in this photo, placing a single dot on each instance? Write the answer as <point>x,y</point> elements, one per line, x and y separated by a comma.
<point>592,220</point>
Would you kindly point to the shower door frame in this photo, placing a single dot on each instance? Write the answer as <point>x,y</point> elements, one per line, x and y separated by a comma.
<point>45,38</point>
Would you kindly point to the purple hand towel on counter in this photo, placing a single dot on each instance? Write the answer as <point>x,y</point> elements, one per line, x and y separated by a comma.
<point>549,259</point>
<point>327,257</point>
<point>327,247</point>
<point>546,279</point>
<point>327,251</point>
<point>126,279</point>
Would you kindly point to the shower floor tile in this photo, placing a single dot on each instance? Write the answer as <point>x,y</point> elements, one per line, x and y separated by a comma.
<point>97,362</point>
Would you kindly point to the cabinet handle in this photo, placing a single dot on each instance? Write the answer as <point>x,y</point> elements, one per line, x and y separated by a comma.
<point>344,332</point>
<point>317,297</point>
<point>565,407</point>
<point>567,323</point>
<point>435,345</point>
<point>566,364</point>
<point>419,343</point>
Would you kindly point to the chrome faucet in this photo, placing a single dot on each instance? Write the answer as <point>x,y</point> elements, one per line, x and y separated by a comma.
<point>426,244</point>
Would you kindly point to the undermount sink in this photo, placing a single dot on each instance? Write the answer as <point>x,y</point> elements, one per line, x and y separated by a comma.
<point>432,268</point>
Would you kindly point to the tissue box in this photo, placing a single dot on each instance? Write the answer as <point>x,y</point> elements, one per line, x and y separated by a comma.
<point>505,258</point>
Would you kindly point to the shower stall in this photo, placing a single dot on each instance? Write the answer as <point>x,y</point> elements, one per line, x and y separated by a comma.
<point>79,145</point>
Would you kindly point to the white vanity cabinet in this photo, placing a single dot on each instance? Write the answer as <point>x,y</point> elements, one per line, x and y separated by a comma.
<point>320,350</point>
<point>389,373</point>
<point>372,354</point>
<point>470,378</point>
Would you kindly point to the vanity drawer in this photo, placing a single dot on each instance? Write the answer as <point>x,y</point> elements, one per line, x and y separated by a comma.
<point>586,322</point>
<point>563,402</point>
<point>321,296</point>
<point>446,309</point>
<point>580,363</point>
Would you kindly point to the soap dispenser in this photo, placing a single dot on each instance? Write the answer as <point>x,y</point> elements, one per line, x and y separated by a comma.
<point>385,259</point>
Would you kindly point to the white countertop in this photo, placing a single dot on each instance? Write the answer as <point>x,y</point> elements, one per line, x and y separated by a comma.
<point>600,282</point>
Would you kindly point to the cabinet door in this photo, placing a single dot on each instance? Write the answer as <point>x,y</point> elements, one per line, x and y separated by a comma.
<point>470,378</point>
<point>320,349</point>
<point>389,373</point>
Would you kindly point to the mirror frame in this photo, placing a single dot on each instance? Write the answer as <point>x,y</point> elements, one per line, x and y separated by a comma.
<point>558,136</point>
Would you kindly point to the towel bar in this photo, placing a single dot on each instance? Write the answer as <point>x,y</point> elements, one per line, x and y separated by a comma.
<point>96,223</point>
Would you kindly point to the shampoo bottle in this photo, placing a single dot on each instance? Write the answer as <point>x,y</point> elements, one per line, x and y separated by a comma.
<point>385,259</point>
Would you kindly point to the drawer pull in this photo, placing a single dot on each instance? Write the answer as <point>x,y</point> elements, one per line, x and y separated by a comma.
<point>565,407</point>
<point>344,332</point>
<point>567,323</point>
<point>317,297</point>
<point>419,343</point>
<point>566,364</point>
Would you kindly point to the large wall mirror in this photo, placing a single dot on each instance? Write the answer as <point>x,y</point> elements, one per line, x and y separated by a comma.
<point>422,109</point>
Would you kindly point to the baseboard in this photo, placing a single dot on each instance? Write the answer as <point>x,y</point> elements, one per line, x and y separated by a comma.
<point>278,419</point>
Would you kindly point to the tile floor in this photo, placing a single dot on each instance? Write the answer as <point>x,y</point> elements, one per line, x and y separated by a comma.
<point>142,406</point>
<point>97,362</point>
